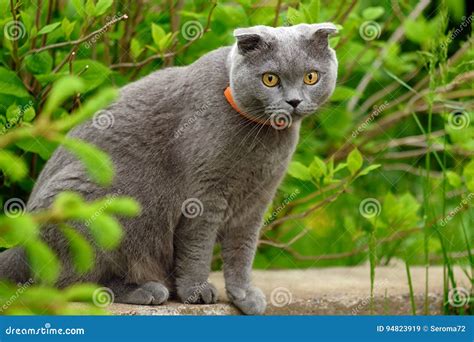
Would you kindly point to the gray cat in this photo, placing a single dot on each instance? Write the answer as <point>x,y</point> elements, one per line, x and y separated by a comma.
<point>203,165</point>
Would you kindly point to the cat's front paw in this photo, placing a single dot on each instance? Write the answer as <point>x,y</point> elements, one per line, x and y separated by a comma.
<point>198,293</point>
<point>251,301</point>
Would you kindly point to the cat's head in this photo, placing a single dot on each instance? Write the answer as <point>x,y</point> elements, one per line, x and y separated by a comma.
<point>282,71</point>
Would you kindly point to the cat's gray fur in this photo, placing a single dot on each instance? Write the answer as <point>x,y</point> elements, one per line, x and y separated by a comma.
<point>175,137</point>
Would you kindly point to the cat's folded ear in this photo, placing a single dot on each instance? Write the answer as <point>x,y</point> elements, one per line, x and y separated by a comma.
<point>320,33</point>
<point>250,39</point>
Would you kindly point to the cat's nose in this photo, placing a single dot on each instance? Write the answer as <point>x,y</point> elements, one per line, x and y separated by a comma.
<point>294,103</point>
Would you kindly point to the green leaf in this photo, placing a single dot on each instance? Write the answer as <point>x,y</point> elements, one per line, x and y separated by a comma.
<point>80,292</point>
<point>72,206</point>
<point>106,231</point>
<point>372,13</point>
<point>354,161</point>
<point>78,6</point>
<point>11,84</point>
<point>43,261</point>
<point>453,179</point>
<point>12,165</point>
<point>67,27</point>
<point>98,164</point>
<point>102,6</point>
<point>136,48</point>
<point>39,145</point>
<point>13,114</point>
<point>62,89</point>
<point>81,251</point>
<point>90,8</point>
<point>317,168</point>
<point>48,28</point>
<point>157,34</point>
<point>125,206</point>
<point>94,75</point>
<point>340,166</point>
<point>18,229</point>
<point>39,63</point>
<point>165,42</point>
<point>299,171</point>
<point>368,169</point>
<point>29,113</point>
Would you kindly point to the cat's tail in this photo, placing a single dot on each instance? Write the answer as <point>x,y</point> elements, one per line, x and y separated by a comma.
<point>14,266</point>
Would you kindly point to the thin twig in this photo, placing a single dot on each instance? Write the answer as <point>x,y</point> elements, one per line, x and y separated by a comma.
<point>313,195</point>
<point>411,169</point>
<point>415,104</point>
<point>394,38</point>
<point>166,55</point>
<point>396,236</point>
<point>346,13</point>
<point>80,40</point>
<point>374,98</point>
<point>174,24</point>
<point>298,216</point>
<point>71,59</point>
<point>15,59</point>
<point>48,21</point>
<point>277,13</point>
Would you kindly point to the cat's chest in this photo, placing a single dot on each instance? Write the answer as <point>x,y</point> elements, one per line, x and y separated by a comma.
<point>256,169</point>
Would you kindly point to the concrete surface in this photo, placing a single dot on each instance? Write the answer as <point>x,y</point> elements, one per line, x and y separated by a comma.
<point>329,291</point>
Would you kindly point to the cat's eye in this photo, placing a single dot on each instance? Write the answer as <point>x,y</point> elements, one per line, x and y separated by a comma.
<point>311,77</point>
<point>270,80</point>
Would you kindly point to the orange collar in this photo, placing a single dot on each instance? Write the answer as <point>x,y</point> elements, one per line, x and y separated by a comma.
<point>230,99</point>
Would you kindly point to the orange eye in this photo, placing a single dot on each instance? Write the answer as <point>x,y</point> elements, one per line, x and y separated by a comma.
<point>311,77</point>
<point>270,80</point>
